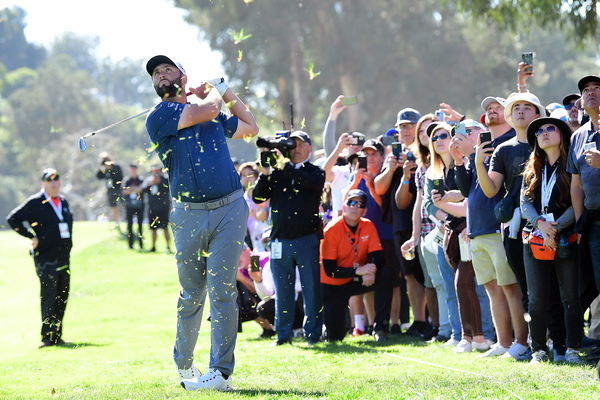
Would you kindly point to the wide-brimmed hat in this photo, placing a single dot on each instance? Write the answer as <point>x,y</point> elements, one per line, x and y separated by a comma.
<point>517,97</point>
<point>562,126</point>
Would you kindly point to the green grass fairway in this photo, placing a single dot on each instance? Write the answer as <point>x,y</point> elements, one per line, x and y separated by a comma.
<point>121,323</point>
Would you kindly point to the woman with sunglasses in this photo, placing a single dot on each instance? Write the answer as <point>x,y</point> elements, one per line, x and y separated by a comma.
<point>51,225</point>
<point>441,171</point>
<point>546,204</point>
<point>435,293</point>
<point>469,299</point>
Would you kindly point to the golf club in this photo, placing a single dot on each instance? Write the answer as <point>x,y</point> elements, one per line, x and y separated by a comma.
<point>83,145</point>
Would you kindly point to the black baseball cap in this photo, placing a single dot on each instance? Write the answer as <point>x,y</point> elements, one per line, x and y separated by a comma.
<point>587,79</point>
<point>160,59</point>
<point>569,98</point>
<point>354,193</point>
<point>373,144</point>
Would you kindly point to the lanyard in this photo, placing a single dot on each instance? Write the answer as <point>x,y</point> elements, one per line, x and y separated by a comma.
<point>547,188</point>
<point>354,245</point>
<point>57,209</point>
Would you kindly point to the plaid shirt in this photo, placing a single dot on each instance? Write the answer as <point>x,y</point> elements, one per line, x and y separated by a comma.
<point>426,224</point>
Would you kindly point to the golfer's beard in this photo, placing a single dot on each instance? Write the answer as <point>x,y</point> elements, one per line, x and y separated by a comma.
<point>173,89</point>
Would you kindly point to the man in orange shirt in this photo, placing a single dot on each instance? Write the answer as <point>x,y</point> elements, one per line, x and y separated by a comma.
<point>350,256</point>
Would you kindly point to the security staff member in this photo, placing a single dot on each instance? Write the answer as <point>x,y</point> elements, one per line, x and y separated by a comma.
<point>50,230</point>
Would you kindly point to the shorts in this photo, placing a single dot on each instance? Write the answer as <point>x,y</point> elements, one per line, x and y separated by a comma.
<point>159,219</point>
<point>113,197</point>
<point>390,260</point>
<point>408,267</point>
<point>489,260</point>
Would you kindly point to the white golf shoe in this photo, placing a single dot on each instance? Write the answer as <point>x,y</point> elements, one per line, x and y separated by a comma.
<point>212,380</point>
<point>189,373</point>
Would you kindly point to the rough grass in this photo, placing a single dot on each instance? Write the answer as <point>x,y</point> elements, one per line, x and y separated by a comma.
<point>121,325</point>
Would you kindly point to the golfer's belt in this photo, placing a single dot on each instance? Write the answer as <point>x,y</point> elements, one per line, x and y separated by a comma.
<point>209,205</point>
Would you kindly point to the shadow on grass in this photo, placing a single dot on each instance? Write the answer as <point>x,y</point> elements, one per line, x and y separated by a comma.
<point>76,345</point>
<point>366,346</point>
<point>280,392</point>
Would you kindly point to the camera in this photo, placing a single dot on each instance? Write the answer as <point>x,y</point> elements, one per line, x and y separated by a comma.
<point>281,141</point>
<point>357,139</point>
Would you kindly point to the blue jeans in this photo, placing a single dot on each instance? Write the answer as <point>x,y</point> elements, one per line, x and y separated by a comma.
<point>594,247</point>
<point>447,273</point>
<point>487,324</point>
<point>302,253</point>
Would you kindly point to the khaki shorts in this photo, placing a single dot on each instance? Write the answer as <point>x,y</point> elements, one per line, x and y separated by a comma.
<point>489,260</point>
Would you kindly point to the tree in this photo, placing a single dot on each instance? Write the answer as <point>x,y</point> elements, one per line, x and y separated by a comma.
<point>578,17</point>
<point>15,51</point>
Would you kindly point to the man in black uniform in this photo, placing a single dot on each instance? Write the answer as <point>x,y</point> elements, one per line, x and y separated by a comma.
<point>50,227</point>
<point>134,205</point>
<point>159,204</point>
<point>114,176</point>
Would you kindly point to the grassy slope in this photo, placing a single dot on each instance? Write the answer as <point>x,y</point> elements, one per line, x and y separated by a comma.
<point>121,320</point>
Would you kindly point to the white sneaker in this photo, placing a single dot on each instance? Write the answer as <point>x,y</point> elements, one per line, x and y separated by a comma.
<point>464,346</point>
<point>572,357</point>
<point>450,343</point>
<point>189,373</point>
<point>496,350</point>
<point>480,346</point>
<point>212,380</point>
<point>518,351</point>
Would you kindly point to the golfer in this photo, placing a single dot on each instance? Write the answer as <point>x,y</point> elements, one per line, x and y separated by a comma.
<point>209,212</point>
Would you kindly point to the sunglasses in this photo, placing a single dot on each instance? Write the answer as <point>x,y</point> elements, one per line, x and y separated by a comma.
<point>549,129</point>
<point>569,106</point>
<point>356,203</point>
<point>52,178</point>
<point>440,137</point>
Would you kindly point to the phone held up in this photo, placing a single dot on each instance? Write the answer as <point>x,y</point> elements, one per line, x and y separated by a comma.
<point>362,162</point>
<point>527,58</point>
<point>396,149</point>
<point>486,136</point>
<point>349,100</point>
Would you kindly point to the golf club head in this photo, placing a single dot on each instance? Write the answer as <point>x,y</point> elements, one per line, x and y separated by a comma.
<point>82,145</point>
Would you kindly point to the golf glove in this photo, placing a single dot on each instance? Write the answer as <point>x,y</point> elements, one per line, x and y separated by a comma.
<point>219,84</point>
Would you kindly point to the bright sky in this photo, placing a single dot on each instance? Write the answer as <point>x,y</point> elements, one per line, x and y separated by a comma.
<point>126,29</point>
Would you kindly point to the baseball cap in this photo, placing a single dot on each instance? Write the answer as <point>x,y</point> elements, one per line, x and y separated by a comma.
<point>489,100</point>
<point>301,135</point>
<point>356,193</point>
<point>408,116</point>
<point>553,106</point>
<point>160,59</point>
<point>517,97</point>
<point>391,132</point>
<point>569,98</point>
<point>587,79</point>
<point>471,123</point>
<point>49,173</point>
<point>373,144</point>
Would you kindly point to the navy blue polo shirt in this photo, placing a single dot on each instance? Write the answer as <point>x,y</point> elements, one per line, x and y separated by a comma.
<point>196,157</point>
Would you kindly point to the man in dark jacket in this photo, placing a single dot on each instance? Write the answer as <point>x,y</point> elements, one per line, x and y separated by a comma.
<point>295,193</point>
<point>50,227</point>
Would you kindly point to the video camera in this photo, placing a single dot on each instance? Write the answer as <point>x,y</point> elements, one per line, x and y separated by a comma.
<point>281,141</point>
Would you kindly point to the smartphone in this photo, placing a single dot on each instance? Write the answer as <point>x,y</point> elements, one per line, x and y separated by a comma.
<point>486,136</point>
<point>527,58</point>
<point>357,139</point>
<point>388,140</point>
<point>397,149</point>
<point>411,157</point>
<point>439,114</point>
<point>349,100</point>
<point>438,184</point>
<point>362,162</point>
<point>254,264</point>
<point>460,129</point>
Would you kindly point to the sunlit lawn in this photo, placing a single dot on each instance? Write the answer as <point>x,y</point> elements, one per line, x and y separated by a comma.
<point>121,323</point>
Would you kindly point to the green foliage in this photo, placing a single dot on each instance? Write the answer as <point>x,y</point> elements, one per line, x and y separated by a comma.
<point>15,51</point>
<point>577,17</point>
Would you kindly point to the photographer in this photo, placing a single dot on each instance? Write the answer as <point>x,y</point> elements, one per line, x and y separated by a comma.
<point>114,177</point>
<point>294,191</point>
<point>159,205</point>
<point>134,205</point>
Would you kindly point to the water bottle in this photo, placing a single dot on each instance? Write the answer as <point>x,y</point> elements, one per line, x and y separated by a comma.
<point>563,247</point>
